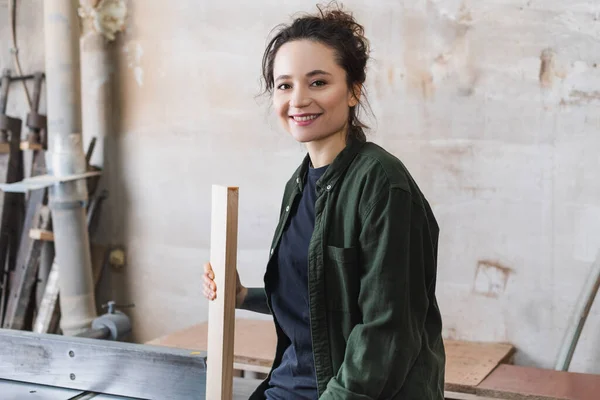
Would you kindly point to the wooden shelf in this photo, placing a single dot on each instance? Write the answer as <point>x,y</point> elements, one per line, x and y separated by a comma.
<point>31,146</point>
<point>5,147</point>
<point>40,234</point>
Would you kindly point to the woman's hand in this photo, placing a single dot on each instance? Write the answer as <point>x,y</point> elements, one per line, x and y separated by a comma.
<point>210,287</point>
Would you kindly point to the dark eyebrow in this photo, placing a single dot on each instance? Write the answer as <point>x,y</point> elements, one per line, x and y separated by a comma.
<point>308,75</point>
<point>317,72</point>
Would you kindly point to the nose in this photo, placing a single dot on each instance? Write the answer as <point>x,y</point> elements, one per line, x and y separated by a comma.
<point>299,98</point>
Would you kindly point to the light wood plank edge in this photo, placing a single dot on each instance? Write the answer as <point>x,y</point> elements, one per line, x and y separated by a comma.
<point>221,311</point>
<point>507,359</point>
<point>40,234</point>
<point>508,395</point>
<point>31,146</point>
<point>465,396</point>
<point>5,147</point>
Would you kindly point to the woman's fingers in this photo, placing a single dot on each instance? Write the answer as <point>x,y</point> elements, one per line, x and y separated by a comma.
<point>209,271</point>
<point>209,294</point>
<point>210,287</point>
<point>208,282</point>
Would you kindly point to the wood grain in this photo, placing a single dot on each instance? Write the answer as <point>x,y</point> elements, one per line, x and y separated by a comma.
<point>467,363</point>
<point>221,311</point>
<point>513,382</point>
<point>254,342</point>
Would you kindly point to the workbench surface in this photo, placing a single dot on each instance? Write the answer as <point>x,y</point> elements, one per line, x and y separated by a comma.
<point>11,390</point>
<point>467,363</point>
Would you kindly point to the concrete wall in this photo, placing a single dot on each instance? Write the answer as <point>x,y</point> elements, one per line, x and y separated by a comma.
<point>492,104</point>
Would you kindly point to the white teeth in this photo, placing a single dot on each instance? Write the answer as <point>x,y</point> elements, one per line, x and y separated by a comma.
<point>306,118</point>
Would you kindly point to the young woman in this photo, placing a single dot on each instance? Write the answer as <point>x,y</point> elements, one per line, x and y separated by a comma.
<point>351,276</point>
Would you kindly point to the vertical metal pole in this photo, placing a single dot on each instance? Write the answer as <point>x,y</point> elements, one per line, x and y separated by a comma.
<point>577,321</point>
<point>4,84</point>
<point>65,157</point>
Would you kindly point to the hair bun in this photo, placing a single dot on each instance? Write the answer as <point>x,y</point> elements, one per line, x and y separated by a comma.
<point>333,12</point>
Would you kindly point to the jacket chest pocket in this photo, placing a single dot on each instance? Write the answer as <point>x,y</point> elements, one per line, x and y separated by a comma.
<point>342,278</point>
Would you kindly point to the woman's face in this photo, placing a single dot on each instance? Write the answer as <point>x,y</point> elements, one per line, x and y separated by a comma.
<point>311,96</point>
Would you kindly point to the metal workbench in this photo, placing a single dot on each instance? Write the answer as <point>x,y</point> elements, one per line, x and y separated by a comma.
<point>11,390</point>
<point>55,367</point>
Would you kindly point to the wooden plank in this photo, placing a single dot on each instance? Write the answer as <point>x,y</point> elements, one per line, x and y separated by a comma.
<point>254,343</point>
<point>11,205</point>
<point>31,146</point>
<point>221,313</point>
<point>511,382</point>
<point>448,395</point>
<point>48,316</point>
<point>26,272</point>
<point>41,234</point>
<point>468,363</point>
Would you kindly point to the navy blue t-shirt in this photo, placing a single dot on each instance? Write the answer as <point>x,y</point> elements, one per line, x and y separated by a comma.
<point>295,377</point>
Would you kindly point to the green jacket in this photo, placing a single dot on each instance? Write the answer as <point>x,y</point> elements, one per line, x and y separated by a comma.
<point>375,322</point>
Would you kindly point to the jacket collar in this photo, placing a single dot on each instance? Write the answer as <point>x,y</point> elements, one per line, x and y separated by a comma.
<point>336,168</point>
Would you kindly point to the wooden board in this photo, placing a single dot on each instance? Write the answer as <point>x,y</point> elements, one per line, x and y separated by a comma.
<point>221,311</point>
<point>513,382</point>
<point>465,396</point>
<point>26,271</point>
<point>11,204</point>
<point>254,342</point>
<point>31,146</point>
<point>467,363</point>
<point>41,234</point>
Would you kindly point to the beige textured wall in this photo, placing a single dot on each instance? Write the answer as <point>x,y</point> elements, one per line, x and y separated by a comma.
<point>492,104</point>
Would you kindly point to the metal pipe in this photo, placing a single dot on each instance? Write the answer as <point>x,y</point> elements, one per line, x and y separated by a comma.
<point>101,333</point>
<point>97,76</point>
<point>582,310</point>
<point>22,77</point>
<point>4,84</point>
<point>66,156</point>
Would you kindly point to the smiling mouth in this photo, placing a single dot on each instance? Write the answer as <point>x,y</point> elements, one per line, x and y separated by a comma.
<point>304,118</point>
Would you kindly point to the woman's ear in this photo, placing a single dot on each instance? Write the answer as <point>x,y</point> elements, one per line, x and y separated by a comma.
<point>355,95</point>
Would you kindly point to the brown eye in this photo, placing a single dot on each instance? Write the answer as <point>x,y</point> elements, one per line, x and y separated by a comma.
<point>319,83</point>
<point>283,86</point>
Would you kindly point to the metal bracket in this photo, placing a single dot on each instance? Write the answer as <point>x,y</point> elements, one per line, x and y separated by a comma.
<point>43,181</point>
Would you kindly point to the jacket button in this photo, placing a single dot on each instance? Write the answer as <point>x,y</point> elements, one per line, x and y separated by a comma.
<point>271,251</point>
<point>287,209</point>
<point>297,180</point>
<point>328,187</point>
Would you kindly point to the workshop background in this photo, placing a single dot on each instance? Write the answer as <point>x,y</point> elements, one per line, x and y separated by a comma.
<point>494,106</point>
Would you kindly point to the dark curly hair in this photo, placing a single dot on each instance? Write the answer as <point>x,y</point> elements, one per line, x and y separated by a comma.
<point>338,30</point>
